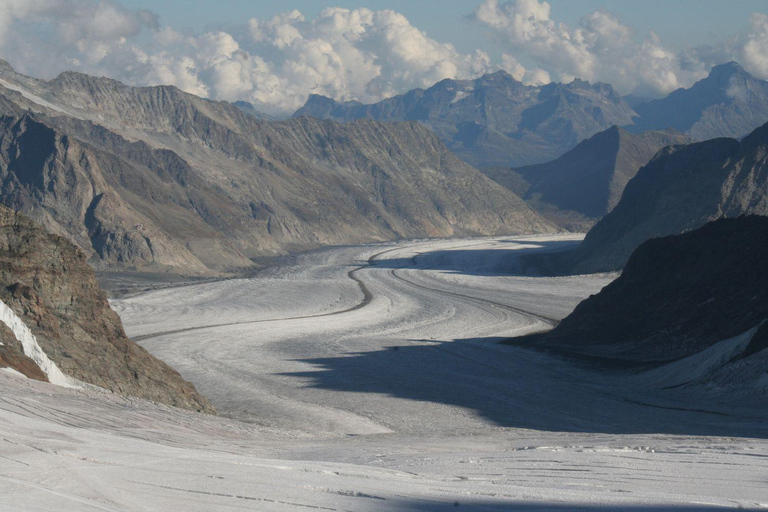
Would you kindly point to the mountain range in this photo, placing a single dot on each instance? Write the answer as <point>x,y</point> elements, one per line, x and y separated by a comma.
<point>681,188</point>
<point>583,185</point>
<point>155,178</point>
<point>497,121</point>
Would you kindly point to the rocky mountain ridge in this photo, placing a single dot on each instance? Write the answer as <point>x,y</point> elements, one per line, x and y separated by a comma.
<point>154,178</point>
<point>495,119</point>
<point>46,282</point>
<point>729,102</point>
<point>682,188</point>
<point>583,185</point>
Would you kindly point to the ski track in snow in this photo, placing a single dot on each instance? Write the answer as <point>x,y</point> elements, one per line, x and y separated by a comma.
<point>369,378</point>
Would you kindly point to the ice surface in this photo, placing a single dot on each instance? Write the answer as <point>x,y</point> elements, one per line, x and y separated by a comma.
<point>380,391</point>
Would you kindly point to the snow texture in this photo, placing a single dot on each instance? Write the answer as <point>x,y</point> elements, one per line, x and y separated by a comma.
<point>368,378</point>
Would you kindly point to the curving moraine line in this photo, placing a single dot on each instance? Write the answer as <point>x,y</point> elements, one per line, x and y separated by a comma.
<point>367,298</point>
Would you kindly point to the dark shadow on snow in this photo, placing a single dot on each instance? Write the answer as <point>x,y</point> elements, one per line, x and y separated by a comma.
<point>527,506</point>
<point>511,386</point>
<point>515,387</point>
<point>485,262</point>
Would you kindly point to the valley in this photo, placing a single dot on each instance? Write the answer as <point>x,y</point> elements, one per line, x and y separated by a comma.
<point>370,378</point>
<point>503,255</point>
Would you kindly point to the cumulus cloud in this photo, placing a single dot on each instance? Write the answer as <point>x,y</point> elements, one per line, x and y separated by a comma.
<point>754,45</point>
<point>343,53</point>
<point>602,48</point>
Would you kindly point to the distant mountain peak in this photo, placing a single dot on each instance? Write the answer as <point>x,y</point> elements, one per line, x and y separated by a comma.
<point>729,102</point>
<point>5,66</point>
<point>727,68</point>
<point>499,75</point>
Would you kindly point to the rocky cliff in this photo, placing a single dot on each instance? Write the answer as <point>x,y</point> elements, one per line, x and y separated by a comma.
<point>682,188</point>
<point>154,178</point>
<point>579,188</point>
<point>678,296</point>
<point>46,282</point>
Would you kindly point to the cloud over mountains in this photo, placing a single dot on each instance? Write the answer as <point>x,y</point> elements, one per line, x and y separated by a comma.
<point>350,53</point>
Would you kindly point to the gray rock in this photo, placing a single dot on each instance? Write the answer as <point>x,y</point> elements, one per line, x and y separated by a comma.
<point>579,188</point>
<point>682,188</point>
<point>153,178</point>
<point>495,120</point>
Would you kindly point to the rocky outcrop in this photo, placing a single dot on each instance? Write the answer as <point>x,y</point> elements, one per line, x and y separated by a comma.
<point>154,178</point>
<point>46,282</point>
<point>579,188</point>
<point>678,296</point>
<point>12,356</point>
<point>495,120</point>
<point>682,188</point>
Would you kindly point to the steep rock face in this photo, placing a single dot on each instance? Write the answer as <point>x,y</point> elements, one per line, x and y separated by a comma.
<point>678,295</point>
<point>728,103</point>
<point>45,280</point>
<point>586,183</point>
<point>495,120</point>
<point>681,189</point>
<point>169,174</point>
<point>12,356</point>
<point>65,185</point>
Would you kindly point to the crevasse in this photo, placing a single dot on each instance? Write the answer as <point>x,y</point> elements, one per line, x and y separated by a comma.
<point>32,349</point>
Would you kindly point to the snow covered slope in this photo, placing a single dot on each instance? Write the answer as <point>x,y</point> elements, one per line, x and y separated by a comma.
<point>370,380</point>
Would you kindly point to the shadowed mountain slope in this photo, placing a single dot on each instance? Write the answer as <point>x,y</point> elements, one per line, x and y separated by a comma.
<point>586,183</point>
<point>681,189</point>
<point>678,296</point>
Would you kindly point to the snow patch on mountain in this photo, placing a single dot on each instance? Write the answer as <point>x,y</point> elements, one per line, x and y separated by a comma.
<point>37,99</point>
<point>32,349</point>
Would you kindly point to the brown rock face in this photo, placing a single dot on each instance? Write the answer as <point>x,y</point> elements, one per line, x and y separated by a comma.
<point>46,281</point>
<point>12,356</point>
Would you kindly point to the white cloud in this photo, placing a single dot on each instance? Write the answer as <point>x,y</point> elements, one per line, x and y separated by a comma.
<point>349,53</point>
<point>354,54</point>
<point>754,45</point>
<point>602,48</point>
<point>346,54</point>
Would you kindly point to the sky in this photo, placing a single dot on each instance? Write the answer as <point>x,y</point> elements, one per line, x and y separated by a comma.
<point>274,54</point>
